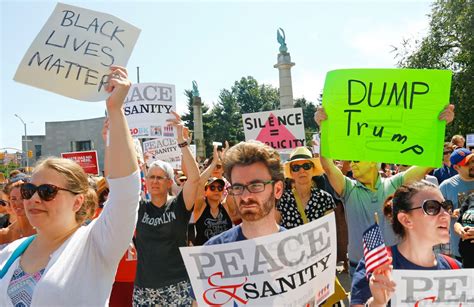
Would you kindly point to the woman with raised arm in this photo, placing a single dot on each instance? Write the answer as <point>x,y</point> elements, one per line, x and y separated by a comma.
<point>162,226</point>
<point>66,263</point>
<point>420,217</point>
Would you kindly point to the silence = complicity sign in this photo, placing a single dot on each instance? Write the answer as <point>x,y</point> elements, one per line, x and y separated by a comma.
<point>73,51</point>
<point>280,129</point>
<point>385,115</point>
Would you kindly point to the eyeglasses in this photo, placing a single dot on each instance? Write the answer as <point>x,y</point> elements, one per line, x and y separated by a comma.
<point>218,166</point>
<point>216,187</point>
<point>153,177</point>
<point>254,187</point>
<point>3,203</point>
<point>433,207</point>
<point>46,192</point>
<point>306,166</point>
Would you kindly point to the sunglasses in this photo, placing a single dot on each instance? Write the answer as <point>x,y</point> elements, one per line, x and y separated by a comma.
<point>3,203</point>
<point>218,188</point>
<point>433,207</point>
<point>182,180</point>
<point>218,166</point>
<point>46,192</point>
<point>306,166</point>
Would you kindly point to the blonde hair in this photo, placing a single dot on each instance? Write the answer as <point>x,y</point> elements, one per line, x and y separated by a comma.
<point>76,181</point>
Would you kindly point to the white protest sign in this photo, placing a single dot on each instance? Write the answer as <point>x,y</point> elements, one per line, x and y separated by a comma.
<point>291,268</point>
<point>470,139</point>
<point>147,107</point>
<point>164,149</point>
<point>434,288</point>
<point>280,129</point>
<point>73,51</point>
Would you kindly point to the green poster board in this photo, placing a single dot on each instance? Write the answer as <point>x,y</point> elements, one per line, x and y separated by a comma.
<point>385,115</point>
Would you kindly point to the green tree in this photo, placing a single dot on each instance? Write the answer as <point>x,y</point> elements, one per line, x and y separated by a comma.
<point>252,97</point>
<point>449,44</point>
<point>310,126</point>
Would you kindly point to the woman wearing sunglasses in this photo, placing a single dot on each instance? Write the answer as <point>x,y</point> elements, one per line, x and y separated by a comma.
<point>420,217</point>
<point>68,264</point>
<point>212,211</point>
<point>20,226</point>
<point>304,201</point>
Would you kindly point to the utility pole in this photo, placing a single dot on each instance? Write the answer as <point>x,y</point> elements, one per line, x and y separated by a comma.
<point>26,142</point>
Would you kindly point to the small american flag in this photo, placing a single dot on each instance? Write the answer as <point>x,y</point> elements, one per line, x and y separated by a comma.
<point>145,194</point>
<point>375,253</point>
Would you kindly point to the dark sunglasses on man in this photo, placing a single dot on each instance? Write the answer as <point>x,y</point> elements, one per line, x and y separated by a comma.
<point>433,207</point>
<point>296,167</point>
<point>46,192</point>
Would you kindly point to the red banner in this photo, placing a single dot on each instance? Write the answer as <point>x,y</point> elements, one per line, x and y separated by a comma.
<point>86,159</point>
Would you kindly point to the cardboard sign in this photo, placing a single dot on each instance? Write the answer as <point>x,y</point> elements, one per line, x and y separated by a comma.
<point>290,268</point>
<point>73,51</point>
<point>433,288</point>
<point>280,129</point>
<point>147,107</point>
<point>86,159</point>
<point>385,115</point>
<point>165,149</point>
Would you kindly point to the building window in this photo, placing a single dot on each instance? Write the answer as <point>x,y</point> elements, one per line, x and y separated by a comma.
<point>83,145</point>
<point>37,151</point>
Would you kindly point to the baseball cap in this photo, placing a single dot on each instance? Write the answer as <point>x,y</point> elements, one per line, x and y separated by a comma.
<point>461,156</point>
<point>215,179</point>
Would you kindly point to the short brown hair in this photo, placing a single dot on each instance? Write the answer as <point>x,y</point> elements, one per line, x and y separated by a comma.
<point>76,181</point>
<point>250,152</point>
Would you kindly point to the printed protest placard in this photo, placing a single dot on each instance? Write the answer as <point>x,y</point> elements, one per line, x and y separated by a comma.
<point>165,149</point>
<point>385,115</point>
<point>86,159</point>
<point>72,53</point>
<point>446,288</point>
<point>147,107</point>
<point>290,268</point>
<point>280,129</point>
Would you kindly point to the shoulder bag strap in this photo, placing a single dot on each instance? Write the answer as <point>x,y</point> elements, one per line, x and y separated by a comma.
<point>300,206</point>
<point>16,253</point>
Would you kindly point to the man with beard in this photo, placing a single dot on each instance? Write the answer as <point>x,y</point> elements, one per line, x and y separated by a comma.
<point>256,178</point>
<point>457,187</point>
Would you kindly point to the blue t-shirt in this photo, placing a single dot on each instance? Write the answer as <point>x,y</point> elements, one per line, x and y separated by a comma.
<point>451,189</point>
<point>232,235</point>
<point>444,172</point>
<point>360,290</point>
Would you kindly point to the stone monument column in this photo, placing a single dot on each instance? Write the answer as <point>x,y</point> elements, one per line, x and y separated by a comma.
<point>198,130</point>
<point>284,65</point>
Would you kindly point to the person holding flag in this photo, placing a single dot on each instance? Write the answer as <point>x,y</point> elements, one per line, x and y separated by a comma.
<point>420,217</point>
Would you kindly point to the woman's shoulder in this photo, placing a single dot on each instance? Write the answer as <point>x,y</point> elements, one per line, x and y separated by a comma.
<point>9,248</point>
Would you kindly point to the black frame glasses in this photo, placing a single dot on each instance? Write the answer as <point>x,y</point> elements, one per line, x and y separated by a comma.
<point>433,207</point>
<point>216,187</point>
<point>45,191</point>
<point>254,187</point>
<point>296,167</point>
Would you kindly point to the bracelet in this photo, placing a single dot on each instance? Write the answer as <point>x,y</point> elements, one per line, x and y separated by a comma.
<point>182,145</point>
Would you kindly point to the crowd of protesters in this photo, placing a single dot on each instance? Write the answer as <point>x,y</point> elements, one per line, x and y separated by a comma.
<point>73,232</point>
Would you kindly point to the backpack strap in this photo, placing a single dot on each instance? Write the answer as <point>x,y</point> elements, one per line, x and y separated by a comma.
<point>16,253</point>
<point>452,263</point>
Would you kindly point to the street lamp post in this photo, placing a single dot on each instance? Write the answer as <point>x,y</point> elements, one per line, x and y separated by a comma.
<point>26,141</point>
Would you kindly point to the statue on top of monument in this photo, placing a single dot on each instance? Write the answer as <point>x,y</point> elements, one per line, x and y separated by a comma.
<point>195,91</point>
<point>281,39</point>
